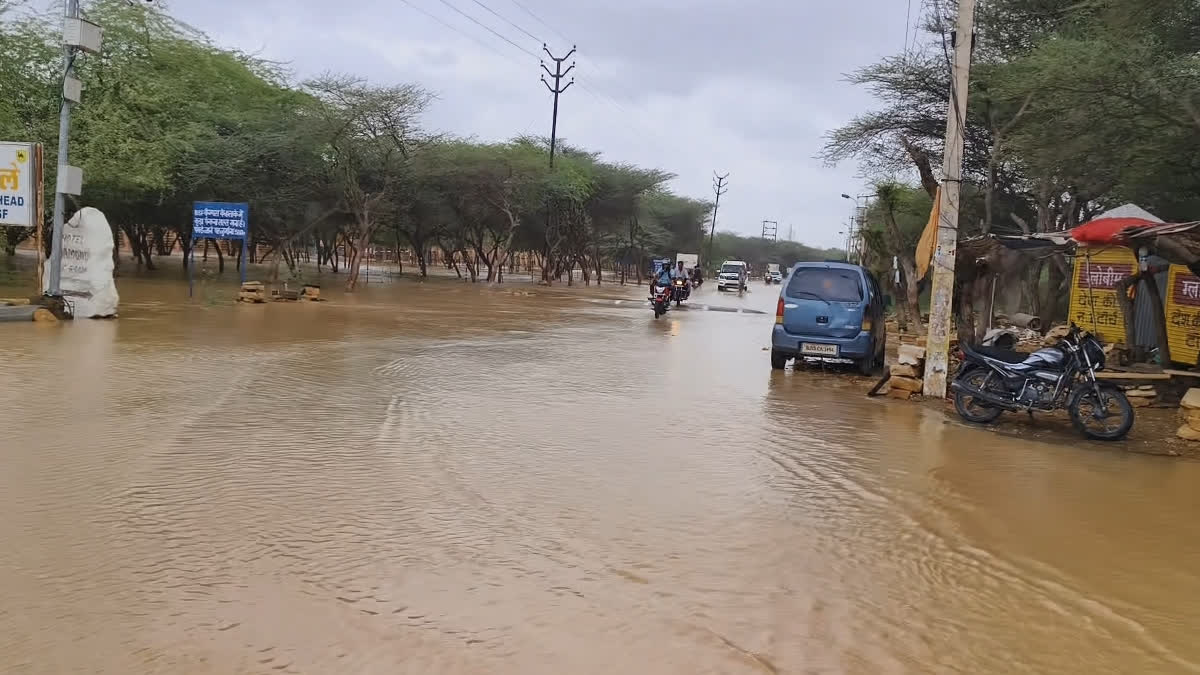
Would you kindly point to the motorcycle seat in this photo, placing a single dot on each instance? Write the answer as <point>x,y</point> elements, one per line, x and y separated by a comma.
<point>1000,354</point>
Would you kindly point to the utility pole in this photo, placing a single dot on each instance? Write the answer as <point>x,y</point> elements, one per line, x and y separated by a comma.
<point>720,187</point>
<point>770,230</point>
<point>557,89</point>
<point>937,355</point>
<point>77,35</point>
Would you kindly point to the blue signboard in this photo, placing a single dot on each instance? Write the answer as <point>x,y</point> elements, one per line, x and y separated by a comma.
<point>219,220</point>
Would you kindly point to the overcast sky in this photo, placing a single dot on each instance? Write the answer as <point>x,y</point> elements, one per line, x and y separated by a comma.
<point>689,86</point>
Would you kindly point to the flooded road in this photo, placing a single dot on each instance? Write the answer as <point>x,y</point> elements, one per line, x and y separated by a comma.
<point>444,478</point>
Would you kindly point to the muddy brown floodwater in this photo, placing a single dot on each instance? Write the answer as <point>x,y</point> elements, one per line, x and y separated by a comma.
<point>444,478</point>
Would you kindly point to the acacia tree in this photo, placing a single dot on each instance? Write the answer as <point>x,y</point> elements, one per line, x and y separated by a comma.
<point>1073,107</point>
<point>28,107</point>
<point>371,134</point>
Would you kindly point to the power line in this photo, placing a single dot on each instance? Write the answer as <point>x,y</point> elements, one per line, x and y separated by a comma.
<point>500,16</point>
<point>539,19</point>
<point>649,137</point>
<point>584,58</point>
<point>486,27</point>
<point>461,32</point>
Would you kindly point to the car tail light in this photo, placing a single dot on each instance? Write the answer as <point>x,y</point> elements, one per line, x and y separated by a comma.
<point>779,311</point>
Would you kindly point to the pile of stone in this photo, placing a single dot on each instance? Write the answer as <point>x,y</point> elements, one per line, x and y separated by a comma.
<point>252,291</point>
<point>311,292</point>
<point>1054,335</point>
<point>906,376</point>
<point>1141,396</point>
<point>1189,412</point>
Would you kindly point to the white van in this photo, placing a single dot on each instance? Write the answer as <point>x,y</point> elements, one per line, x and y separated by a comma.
<point>733,275</point>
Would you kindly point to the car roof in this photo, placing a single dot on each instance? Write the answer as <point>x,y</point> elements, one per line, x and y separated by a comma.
<point>829,265</point>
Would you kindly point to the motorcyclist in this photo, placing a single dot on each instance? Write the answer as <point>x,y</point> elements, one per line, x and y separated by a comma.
<point>663,278</point>
<point>680,273</point>
<point>697,276</point>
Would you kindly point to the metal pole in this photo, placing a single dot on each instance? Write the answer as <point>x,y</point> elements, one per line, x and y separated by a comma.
<point>71,11</point>
<point>720,188</point>
<point>937,358</point>
<point>850,225</point>
<point>245,253</point>
<point>557,89</point>
<point>191,263</point>
<point>39,210</point>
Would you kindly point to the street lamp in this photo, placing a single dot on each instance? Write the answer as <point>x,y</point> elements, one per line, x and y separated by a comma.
<point>858,216</point>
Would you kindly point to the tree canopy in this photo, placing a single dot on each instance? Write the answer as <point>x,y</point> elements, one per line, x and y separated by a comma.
<point>335,164</point>
<point>1074,107</point>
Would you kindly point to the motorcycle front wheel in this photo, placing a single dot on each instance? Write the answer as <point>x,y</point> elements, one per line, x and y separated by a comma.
<point>970,409</point>
<point>1116,413</point>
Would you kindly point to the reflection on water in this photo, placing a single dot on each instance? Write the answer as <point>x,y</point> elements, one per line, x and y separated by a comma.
<point>451,478</point>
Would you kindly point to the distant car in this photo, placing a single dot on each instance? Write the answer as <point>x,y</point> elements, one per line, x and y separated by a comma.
<point>775,277</point>
<point>830,311</point>
<point>732,276</point>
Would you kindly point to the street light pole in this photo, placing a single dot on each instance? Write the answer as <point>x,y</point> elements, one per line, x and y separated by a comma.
<point>856,217</point>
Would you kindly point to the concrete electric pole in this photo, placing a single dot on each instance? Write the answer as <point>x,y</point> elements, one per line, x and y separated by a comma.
<point>720,187</point>
<point>937,357</point>
<point>557,89</point>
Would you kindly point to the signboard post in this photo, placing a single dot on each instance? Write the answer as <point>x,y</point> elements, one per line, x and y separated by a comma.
<point>219,220</point>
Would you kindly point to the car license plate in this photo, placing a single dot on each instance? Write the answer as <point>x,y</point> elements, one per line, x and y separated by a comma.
<point>815,349</point>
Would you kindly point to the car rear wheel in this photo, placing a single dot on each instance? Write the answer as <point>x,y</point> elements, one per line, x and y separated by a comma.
<point>778,361</point>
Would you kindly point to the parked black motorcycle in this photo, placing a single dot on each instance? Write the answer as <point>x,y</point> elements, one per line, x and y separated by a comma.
<point>993,380</point>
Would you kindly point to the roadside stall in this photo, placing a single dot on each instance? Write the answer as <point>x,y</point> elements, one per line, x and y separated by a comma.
<point>1135,284</point>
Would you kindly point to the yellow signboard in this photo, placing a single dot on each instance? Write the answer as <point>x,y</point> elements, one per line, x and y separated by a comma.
<point>1094,304</point>
<point>1183,315</point>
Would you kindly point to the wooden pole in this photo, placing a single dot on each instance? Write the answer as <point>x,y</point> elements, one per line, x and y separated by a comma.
<point>942,298</point>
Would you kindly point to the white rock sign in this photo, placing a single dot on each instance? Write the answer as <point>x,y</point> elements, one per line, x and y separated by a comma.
<point>87,265</point>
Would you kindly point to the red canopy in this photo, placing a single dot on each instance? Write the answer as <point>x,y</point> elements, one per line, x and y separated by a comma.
<point>1107,231</point>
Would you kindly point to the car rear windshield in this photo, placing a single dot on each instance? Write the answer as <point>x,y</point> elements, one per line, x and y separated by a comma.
<point>731,269</point>
<point>823,283</point>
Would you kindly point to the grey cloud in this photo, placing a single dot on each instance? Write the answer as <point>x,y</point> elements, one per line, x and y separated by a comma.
<point>745,87</point>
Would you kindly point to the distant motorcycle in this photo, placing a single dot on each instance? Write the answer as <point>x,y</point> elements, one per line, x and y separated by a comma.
<point>993,380</point>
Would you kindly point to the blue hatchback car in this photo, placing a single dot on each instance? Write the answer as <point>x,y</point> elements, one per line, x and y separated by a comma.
<point>830,310</point>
